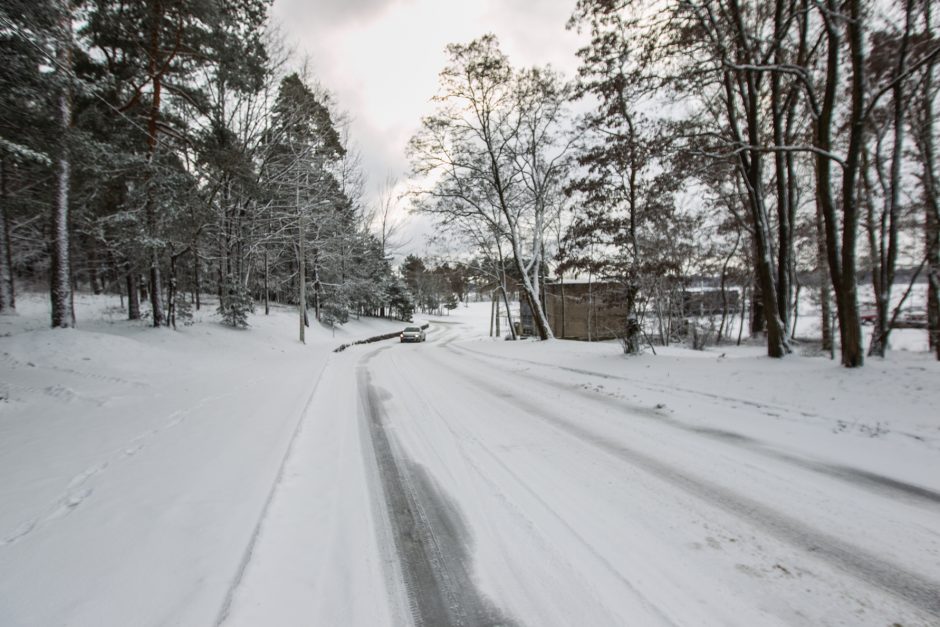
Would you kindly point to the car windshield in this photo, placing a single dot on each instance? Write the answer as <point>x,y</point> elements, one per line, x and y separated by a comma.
<point>412,330</point>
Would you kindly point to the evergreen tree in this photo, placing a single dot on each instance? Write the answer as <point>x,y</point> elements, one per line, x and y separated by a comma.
<point>156,52</point>
<point>27,138</point>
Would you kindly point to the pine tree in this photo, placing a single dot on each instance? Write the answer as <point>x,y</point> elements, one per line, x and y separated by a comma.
<point>158,52</point>
<point>236,306</point>
<point>26,137</point>
<point>302,144</point>
<point>62,314</point>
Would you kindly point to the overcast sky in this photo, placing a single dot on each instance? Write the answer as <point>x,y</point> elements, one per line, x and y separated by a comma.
<point>381,58</point>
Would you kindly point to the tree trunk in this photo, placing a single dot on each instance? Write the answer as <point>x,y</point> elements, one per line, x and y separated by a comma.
<point>512,328</point>
<point>120,292</point>
<point>316,293</point>
<point>493,306</point>
<point>931,187</point>
<point>933,287</point>
<point>7,291</point>
<point>777,345</point>
<point>153,118</point>
<point>784,228</point>
<point>221,283</point>
<point>756,319</point>
<point>724,290</point>
<point>197,281</point>
<point>932,245</point>
<point>796,309</point>
<point>841,256</point>
<point>850,327</point>
<point>538,313</point>
<point>267,307</point>
<point>744,301</point>
<point>302,277</point>
<point>750,168</point>
<point>93,266</point>
<point>888,250</point>
<point>171,292</point>
<point>822,277</point>
<point>498,332</point>
<point>133,293</point>
<point>156,297</point>
<point>875,229</point>
<point>61,270</point>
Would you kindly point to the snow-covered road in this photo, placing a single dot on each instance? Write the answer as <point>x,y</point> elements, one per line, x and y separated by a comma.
<point>478,486</point>
<point>564,506</point>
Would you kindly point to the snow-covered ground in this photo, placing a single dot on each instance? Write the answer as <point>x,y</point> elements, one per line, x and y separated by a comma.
<point>136,463</point>
<point>212,476</point>
<point>808,321</point>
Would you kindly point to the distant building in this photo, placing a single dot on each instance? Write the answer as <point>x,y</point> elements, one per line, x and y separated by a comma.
<point>598,310</point>
<point>581,311</point>
<point>708,302</point>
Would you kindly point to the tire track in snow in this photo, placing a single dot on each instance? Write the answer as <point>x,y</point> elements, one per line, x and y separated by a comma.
<point>430,537</point>
<point>499,492</point>
<point>872,481</point>
<point>919,591</point>
<point>768,409</point>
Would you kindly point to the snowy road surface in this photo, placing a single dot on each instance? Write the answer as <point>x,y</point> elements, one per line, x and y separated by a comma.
<point>248,480</point>
<point>508,491</point>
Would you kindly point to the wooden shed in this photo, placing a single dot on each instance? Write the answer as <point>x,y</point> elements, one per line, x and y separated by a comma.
<point>581,310</point>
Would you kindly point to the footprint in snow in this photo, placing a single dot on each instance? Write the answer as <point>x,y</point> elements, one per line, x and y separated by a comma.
<point>68,504</point>
<point>82,477</point>
<point>61,509</point>
<point>132,450</point>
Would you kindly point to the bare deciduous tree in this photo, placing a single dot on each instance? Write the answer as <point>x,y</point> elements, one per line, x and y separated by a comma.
<point>494,155</point>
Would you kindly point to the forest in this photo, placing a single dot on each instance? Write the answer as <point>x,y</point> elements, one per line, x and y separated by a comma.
<point>166,150</point>
<point>162,150</point>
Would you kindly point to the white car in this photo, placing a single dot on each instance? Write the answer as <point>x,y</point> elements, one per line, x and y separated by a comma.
<point>412,334</point>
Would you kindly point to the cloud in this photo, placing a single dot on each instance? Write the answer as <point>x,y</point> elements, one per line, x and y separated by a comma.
<point>381,58</point>
<point>330,13</point>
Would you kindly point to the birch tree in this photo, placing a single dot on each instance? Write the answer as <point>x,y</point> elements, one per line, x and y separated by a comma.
<point>493,154</point>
